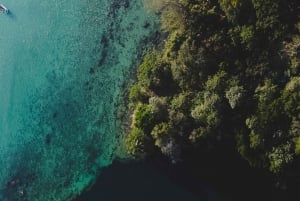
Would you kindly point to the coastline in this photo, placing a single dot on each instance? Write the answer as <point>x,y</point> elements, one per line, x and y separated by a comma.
<point>122,111</point>
<point>191,98</point>
<point>223,170</point>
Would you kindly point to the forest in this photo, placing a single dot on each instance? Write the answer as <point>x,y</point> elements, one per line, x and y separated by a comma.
<point>226,75</point>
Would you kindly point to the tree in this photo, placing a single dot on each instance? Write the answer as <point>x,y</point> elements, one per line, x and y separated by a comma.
<point>136,143</point>
<point>255,137</point>
<point>160,133</point>
<point>199,133</point>
<point>144,118</point>
<point>279,157</point>
<point>158,107</point>
<point>155,74</point>
<point>163,135</point>
<point>295,128</point>
<point>145,75</point>
<point>172,13</point>
<point>205,109</point>
<point>291,51</point>
<point>234,95</point>
<point>291,97</point>
<point>231,9</point>
<point>217,83</point>
<point>297,147</point>
<point>247,36</point>
<point>266,93</point>
<point>137,94</point>
<point>267,18</point>
<point>228,69</point>
<point>181,102</point>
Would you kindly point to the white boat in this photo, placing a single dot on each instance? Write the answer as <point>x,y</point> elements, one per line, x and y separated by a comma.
<point>3,9</point>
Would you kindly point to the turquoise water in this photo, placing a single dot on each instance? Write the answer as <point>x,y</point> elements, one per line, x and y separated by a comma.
<point>63,65</point>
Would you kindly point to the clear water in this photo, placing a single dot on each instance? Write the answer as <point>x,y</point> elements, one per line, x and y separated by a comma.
<point>62,67</point>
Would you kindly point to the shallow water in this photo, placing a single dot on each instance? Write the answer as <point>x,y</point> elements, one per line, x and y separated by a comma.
<point>63,65</point>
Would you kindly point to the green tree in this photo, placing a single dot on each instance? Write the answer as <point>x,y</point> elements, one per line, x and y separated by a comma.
<point>160,133</point>
<point>267,18</point>
<point>158,107</point>
<point>295,128</point>
<point>144,118</point>
<point>234,95</point>
<point>297,147</point>
<point>137,93</point>
<point>291,97</point>
<point>231,8</point>
<point>267,92</point>
<point>291,51</point>
<point>279,157</point>
<point>228,70</point>
<point>136,143</point>
<point>247,36</point>
<point>199,133</point>
<point>255,137</point>
<point>155,74</point>
<point>145,75</point>
<point>217,83</point>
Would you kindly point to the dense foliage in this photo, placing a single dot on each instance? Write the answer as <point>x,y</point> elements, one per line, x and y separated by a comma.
<point>229,72</point>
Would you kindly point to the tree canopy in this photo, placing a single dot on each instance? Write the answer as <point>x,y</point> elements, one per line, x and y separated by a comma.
<point>229,71</point>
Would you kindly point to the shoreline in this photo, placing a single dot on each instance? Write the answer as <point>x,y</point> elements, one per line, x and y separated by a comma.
<point>122,111</point>
<point>223,169</point>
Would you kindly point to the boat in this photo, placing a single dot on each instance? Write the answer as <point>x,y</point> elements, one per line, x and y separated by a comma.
<point>3,9</point>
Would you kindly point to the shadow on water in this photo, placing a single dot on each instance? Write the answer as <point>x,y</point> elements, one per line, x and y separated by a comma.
<point>154,180</point>
<point>213,176</point>
<point>11,15</point>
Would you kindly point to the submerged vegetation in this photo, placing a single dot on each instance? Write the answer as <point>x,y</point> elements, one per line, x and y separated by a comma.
<point>229,73</point>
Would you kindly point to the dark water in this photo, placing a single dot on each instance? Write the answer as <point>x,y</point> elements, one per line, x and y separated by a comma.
<point>219,176</point>
<point>147,181</point>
